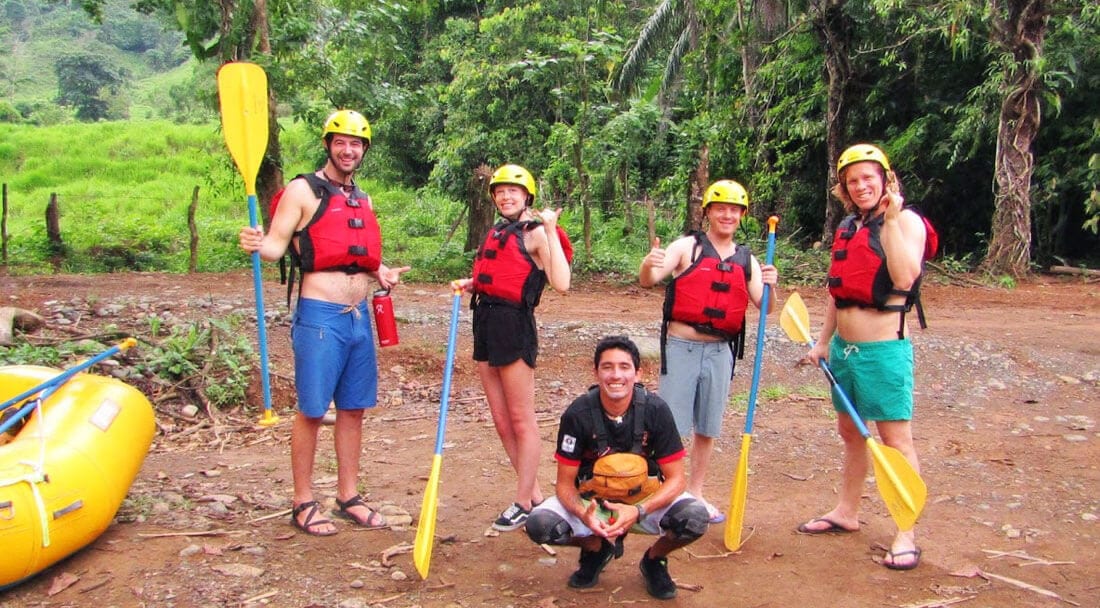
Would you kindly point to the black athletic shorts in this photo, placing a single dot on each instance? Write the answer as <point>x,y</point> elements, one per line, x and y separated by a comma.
<point>503,334</point>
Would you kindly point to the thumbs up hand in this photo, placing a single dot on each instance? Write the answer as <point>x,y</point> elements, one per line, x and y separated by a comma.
<point>656,256</point>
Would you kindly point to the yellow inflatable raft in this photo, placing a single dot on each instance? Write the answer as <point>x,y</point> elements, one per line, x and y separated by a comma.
<point>66,471</point>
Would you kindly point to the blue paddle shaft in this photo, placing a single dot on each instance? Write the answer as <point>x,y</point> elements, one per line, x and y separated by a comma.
<point>445,397</point>
<point>63,376</point>
<point>261,322</point>
<point>768,258</point>
<point>843,397</point>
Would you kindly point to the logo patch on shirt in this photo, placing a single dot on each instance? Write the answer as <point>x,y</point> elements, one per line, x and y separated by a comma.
<point>568,443</point>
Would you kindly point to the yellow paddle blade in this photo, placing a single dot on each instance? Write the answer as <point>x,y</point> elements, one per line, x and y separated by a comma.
<point>738,496</point>
<point>901,488</point>
<point>425,526</point>
<point>795,319</point>
<point>242,94</point>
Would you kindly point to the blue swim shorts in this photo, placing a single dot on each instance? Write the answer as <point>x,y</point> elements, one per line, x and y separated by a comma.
<point>334,358</point>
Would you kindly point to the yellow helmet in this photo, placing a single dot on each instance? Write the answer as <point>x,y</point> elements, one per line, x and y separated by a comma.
<point>726,191</point>
<point>515,175</point>
<point>347,122</point>
<point>859,153</point>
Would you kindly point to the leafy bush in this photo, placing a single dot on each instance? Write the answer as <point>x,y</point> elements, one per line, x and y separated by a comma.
<point>213,357</point>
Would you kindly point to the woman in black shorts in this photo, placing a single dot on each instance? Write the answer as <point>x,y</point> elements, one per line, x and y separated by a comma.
<point>523,252</point>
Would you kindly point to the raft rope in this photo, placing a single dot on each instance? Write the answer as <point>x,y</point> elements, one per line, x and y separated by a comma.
<point>36,476</point>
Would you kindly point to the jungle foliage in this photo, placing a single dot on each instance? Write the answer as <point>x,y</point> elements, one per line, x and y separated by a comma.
<point>988,109</point>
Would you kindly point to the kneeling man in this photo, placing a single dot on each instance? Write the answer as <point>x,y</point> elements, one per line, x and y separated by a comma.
<point>594,508</point>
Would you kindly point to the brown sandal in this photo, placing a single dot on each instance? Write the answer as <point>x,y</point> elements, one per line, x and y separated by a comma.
<point>312,519</point>
<point>374,519</point>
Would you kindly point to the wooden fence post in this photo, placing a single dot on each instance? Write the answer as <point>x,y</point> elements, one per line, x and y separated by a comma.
<point>53,233</point>
<point>4,227</point>
<point>193,263</point>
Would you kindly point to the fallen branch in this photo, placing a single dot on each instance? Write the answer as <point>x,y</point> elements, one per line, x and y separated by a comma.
<point>1032,561</point>
<point>975,571</point>
<point>395,550</point>
<point>1088,272</point>
<point>387,599</point>
<point>259,597</point>
<point>200,533</point>
<point>1027,586</point>
<point>404,418</point>
<point>282,513</point>
<point>940,603</point>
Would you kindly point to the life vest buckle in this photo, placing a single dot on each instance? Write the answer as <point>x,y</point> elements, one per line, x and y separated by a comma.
<point>714,313</point>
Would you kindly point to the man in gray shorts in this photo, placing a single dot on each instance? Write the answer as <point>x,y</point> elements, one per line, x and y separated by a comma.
<point>713,280</point>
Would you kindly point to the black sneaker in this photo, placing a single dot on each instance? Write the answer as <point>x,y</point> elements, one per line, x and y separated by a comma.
<point>511,518</point>
<point>592,564</point>
<point>657,581</point>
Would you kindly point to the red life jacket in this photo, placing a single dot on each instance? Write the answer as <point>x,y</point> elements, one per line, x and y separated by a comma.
<point>503,269</point>
<point>858,274</point>
<point>711,295</point>
<point>342,235</point>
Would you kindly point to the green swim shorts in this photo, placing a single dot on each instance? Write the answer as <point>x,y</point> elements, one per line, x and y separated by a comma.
<point>877,377</point>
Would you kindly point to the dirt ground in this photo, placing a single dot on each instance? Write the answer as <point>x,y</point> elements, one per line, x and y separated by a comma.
<point>1007,407</point>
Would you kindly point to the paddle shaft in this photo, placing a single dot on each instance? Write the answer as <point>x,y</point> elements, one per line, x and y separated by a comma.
<point>242,91</point>
<point>769,257</point>
<point>425,527</point>
<point>261,322</point>
<point>72,371</point>
<point>898,485</point>
<point>445,398</point>
<point>739,492</point>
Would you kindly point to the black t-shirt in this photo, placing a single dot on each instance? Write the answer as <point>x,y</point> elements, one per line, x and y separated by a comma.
<point>578,446</point>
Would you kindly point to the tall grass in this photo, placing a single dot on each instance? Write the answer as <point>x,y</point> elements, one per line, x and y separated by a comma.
<point>123,190</point>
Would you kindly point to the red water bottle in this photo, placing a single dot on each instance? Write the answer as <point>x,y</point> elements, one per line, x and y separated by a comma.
<point>384,320</point>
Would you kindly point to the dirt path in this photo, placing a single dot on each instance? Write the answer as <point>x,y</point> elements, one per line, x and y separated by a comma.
<point>1007,407</point>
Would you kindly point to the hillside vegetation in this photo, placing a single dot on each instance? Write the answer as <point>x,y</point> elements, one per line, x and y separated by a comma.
<point>124,188</point>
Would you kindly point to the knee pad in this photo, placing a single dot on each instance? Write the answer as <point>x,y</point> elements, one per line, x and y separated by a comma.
<point>547,527</point>
<point>687,520</point>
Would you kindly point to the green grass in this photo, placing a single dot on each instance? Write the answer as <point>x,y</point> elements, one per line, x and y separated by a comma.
<point>123,191</point>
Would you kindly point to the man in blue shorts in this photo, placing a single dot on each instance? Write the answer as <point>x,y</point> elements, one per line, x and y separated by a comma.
<point>334,358</point>
<point>615,418</point>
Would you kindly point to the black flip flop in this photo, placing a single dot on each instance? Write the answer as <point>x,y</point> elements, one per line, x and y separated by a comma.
<point>893,565</point>
<point>834,528</point>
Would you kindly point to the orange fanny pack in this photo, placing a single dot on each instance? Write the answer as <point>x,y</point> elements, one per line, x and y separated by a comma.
<point>620,477</point>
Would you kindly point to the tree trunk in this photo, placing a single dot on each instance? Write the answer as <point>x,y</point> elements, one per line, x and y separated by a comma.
<point>481,208</point>
<point>1021,34</point>
<point>834,32</point>
<point>700,179</point>
<point>270,178</point>
<point>765,19</point>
